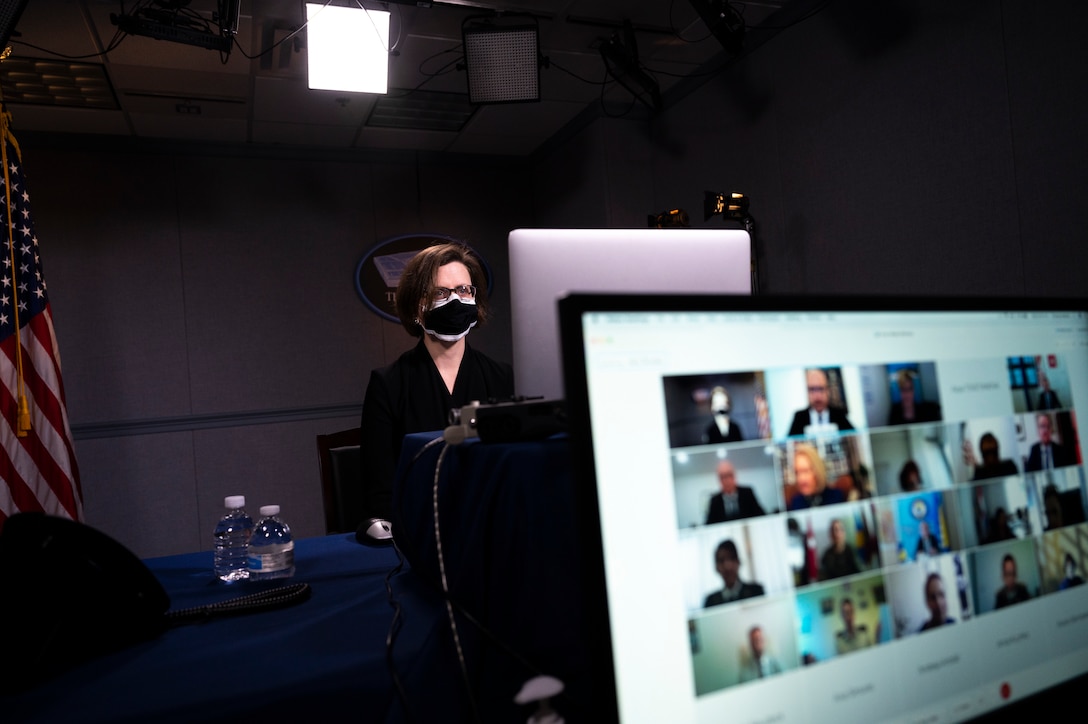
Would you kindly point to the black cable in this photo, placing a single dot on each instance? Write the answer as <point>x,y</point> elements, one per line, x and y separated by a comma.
<point>572,74</point>
<point>430,76</point>
<point>395,626</point>
<point>445,587</point>
<point>396,623</point>
<point>262,600</point>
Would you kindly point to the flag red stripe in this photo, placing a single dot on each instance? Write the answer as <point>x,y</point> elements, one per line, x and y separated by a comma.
<point>33,459</point>
<point>16,495</point>
<point>25,487</point>
<point>47,390</point>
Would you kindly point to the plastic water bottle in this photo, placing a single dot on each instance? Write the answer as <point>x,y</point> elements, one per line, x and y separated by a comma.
<point>271,549</point>
<point>232,536</point>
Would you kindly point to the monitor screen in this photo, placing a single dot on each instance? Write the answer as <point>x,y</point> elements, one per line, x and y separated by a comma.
<point>817,510</point>
<point>545,263</point>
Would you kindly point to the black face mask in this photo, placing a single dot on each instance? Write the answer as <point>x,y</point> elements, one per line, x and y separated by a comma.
<point>451,319</point>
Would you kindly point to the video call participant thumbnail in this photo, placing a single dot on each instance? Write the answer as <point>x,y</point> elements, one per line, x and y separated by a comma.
<point>909,409</point>
<point>1048,453</point>
<point>1048,398</point>
<point>839,558</point>
<point>727,562</point>
<point>992,464</point>
<point>758,664</point>
<point>734,501</point>
<point>936,602</point>
<point>819,413</point>
<point>1012,591</point>
<point>852,636</point>
<point>722,427</point>
<point>810,479</point>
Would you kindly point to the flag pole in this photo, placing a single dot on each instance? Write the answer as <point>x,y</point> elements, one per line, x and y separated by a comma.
<point>23,423</point>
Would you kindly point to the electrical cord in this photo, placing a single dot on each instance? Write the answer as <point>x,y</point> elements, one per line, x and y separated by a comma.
<point>396,623</point>
<point>445,585</point>
<point>395,626</point>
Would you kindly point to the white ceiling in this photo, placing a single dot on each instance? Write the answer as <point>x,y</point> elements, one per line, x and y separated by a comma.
<point>257,94</point>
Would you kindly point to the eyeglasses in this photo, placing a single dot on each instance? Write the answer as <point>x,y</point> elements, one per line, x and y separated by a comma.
<point>464,291</point>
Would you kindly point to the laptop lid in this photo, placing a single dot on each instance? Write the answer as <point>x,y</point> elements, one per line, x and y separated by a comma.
<point>546,263</point>
<point>910,556</point>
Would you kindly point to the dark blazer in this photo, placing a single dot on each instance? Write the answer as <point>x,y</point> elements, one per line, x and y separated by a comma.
<point>1060,454</point>
<point>714,435</point>
<point>748,506</point>
<point>1001,469</point>
<point>1048,400</point>
<point>834,415</point>
<point>923,412</point>
<point>747,590</point>
<point>409,396</point>
<point>830,496</point>
<point>932,541</point>
<point>1004,597</point>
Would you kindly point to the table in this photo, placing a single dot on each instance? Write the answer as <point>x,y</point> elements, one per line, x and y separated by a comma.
<point>324,656</point>
<point>510,550</point>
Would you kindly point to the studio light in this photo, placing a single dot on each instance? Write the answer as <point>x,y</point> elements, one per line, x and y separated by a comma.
<point>730,206</point>
<point>668,219</point>
<point>502,59</point>
<point>347,48</point>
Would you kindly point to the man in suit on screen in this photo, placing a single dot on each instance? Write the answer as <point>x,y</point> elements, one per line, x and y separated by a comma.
<point>819,413</point>
<point>734,501</point>
<point>1047,454</point>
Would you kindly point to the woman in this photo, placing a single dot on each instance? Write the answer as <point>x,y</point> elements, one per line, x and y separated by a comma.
<point>908,409</point>
<point>441,296</point>
<point>810,477</point>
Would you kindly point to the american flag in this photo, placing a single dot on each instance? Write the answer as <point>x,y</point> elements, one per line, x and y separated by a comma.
<point>38,470</point>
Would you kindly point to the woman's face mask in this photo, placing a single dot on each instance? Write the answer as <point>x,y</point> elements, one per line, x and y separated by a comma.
<point>450,319</point>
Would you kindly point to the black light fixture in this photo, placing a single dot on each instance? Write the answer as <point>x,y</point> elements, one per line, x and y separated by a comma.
<point>668,219</point>
<point>730,206</point>
<point>175,21</point>
<point>502,58</point>
<point>723,20</point>
<point>621,60</point>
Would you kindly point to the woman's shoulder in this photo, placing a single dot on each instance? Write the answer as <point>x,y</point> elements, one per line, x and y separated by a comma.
<point>493,367</point>
<point>402,367</point>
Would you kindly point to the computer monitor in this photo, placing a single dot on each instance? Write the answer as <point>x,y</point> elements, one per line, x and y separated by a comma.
<point>914,557</point>
<point>545,263</point>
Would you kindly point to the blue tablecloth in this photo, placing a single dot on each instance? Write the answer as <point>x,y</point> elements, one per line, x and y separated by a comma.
<point>510,552</point>
<point>323,657</point>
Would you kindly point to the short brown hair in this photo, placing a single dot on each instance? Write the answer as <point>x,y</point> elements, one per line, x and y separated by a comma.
<point>417,281</point>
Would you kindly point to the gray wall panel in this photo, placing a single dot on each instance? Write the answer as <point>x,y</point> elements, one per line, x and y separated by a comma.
<point>141,490</point>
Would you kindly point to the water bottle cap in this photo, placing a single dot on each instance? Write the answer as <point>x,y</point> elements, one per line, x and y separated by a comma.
<point>267,510</point>
<point>234,501</point>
